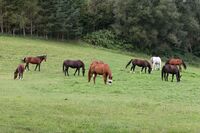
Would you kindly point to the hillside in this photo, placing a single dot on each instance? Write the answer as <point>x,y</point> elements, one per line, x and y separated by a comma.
<point>47,101</point>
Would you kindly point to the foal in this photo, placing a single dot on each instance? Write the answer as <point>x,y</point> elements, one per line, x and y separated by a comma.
<point>19,71</point>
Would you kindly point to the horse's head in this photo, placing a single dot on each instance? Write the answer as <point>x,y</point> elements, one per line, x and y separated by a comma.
<point>83,71</point>
<point>15,75</point>
<point>45,58</point>
<point>110,80</point>
<point>150,67</point>
<point>179,78</point>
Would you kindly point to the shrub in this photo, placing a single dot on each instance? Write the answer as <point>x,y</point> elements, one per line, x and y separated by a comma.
<point>104,38</point>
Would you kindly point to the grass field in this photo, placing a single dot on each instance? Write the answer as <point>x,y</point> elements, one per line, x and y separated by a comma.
<point>48,102</point>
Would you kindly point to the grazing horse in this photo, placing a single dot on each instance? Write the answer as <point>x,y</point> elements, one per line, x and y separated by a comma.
<point>170,69</point>
<point>98,67</point>
<point>141,63</point>
<point>19,71</point>
<point>34,60</point>
<point>176,61</point>
<point>73,64</point>
<point>156,63</point>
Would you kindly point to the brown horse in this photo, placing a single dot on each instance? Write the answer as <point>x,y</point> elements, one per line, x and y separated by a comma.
<point>98,67</point>
<point>176,61</point>
<point>141,63</point>
<point>34,60</point>
<point>19,71</point>
<point>170,69</point>
<point>73,64</point>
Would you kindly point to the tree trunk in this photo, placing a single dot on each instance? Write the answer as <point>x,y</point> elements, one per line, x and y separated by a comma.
<point>2,27</point>
<point>31,28</point>
<point>24,32</point>
<point>1,12</point>
<point>62,34</point>
<point>13,31</point>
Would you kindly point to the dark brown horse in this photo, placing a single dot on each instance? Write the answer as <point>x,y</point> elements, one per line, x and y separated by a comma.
<point>176,61</point>
<point>34,60</point>
<point>78,64</point>
<point>170,69</point>
<point>19,71</point>
<point>98,67</point>
<point>141,63</point>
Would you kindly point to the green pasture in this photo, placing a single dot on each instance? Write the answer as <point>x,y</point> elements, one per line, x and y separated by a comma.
<point>49,102</point>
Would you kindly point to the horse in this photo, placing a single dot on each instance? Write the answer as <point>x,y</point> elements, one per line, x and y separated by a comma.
<point>141,63</point>
<point>156,63</point>
<point>170,69</point>
<point>176,61</point>
<point>19,71</point>
<point>100,68</point>
<point>73,64</point>
<point>34,60</point>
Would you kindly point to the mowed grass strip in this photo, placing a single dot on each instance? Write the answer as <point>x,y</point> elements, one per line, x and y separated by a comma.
<point>47,101</point>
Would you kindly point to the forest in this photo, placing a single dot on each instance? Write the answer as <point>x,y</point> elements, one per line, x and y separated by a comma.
<point>159,27</point>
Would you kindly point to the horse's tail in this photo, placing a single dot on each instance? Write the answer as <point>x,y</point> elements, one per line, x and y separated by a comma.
<point>129,63</point>
<point>184,65</point>
<point>89,74</point>
<point>24,60</point>
<point>63,66</point>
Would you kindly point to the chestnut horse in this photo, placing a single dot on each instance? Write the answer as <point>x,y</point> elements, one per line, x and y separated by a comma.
<point>34,60</point>
<point>98,67</point>
<point>19,71</point>
<point>170,69</point>
<point>141,63</point>
<point>73,64</point>
<point>176,61</point>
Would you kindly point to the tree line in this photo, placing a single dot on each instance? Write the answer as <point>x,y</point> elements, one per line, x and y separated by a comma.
<point>159,27</point>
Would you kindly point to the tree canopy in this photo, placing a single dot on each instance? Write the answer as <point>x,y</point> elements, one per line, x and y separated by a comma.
<point>160,27</point>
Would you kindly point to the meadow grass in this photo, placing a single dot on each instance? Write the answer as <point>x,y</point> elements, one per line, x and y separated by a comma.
<point>49,102</point>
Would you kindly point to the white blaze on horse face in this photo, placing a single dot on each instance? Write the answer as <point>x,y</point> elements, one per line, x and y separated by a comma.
<point>109,82</point>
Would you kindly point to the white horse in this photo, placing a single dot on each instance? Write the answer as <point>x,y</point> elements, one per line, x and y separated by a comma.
<point>156,62</point>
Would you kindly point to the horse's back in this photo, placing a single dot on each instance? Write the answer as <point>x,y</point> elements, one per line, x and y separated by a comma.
<point>170,68</point>
<point>32,60</point>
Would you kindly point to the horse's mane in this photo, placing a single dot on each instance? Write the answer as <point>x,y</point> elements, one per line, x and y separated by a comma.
<point>41,56</point>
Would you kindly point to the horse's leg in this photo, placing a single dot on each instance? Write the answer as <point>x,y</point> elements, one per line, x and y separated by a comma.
<point>78,71</point>
<point>21,75</point>
<point>67,71</point>
<point>145,69</point>
<point>39,67</point>
<point>25,66</point>
<point>166,78</point>
<point>94,77</point>
<point>172,77</point>
<point>154,66</point>
<point>133,68</point>
<point>105,78</point>
<point>36,67</point>
<point>142,69</point>
<point>75,71</point>
<point>28,67</point>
